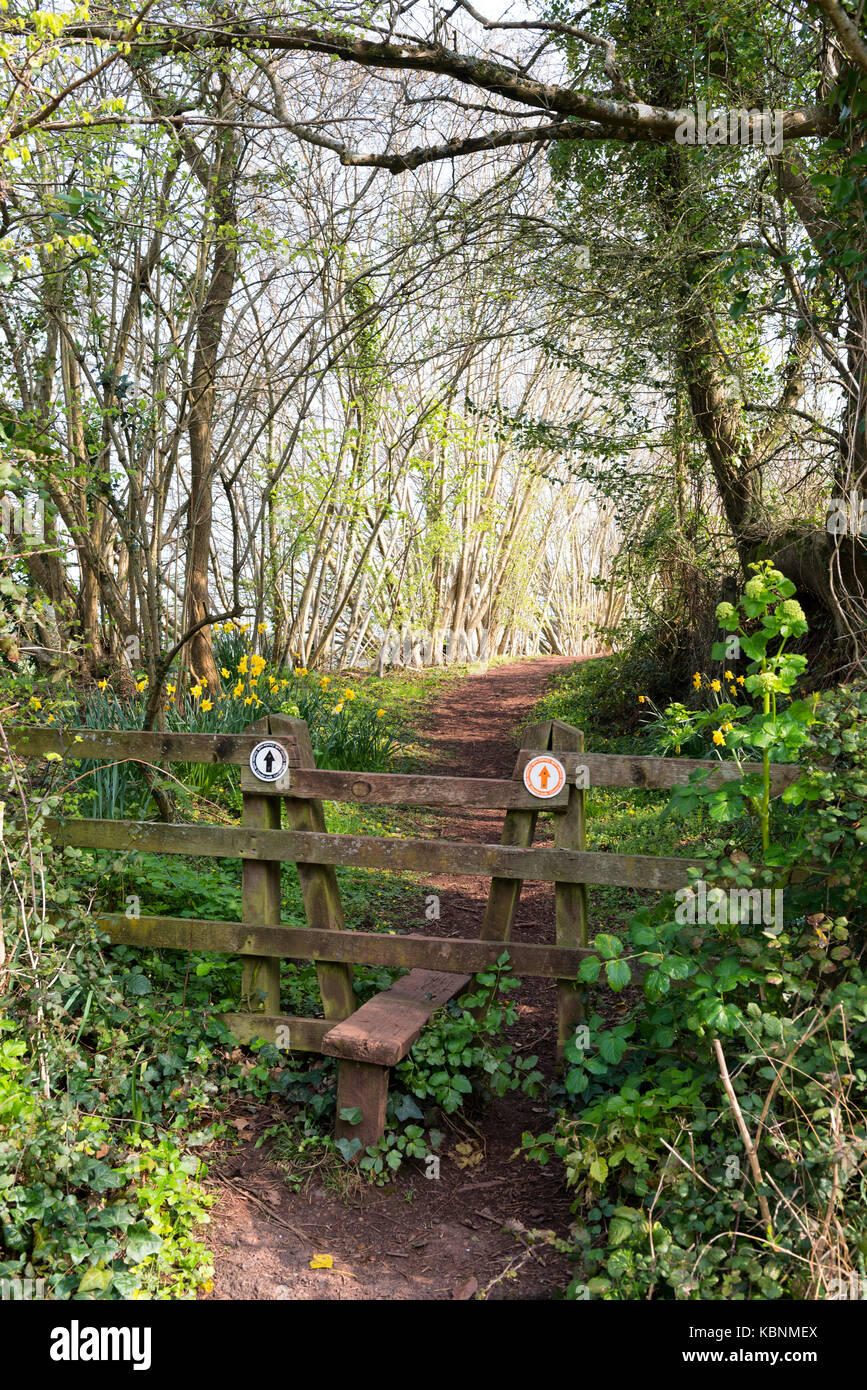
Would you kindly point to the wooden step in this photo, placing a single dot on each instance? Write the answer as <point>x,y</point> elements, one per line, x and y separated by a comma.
<point>384,1029</point>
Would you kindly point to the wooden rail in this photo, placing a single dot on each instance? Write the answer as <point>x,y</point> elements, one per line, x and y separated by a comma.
<point>352,947</point>
<point>430,857</point>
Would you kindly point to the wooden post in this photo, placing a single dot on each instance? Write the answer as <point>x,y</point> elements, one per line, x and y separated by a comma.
<point>318,881</point>
<point>260,900</point>
<point>362,1085</point>
<point>570,899</point>
<point>519,828</point>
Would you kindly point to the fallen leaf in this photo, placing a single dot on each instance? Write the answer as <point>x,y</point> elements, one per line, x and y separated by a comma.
<point>322,1262</point>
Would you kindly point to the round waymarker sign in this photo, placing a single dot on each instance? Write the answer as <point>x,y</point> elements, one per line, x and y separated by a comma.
<point>269,760</point>
<point>544,776</point>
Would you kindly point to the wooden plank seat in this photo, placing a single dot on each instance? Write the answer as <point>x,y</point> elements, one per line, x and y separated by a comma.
<point>377,1036</point>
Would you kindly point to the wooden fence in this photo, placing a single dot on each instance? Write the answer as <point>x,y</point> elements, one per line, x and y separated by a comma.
<point>284,821</point>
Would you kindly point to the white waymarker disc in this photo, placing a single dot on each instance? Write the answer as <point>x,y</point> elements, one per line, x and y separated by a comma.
<point>269,760</point>
<point>544,776</point>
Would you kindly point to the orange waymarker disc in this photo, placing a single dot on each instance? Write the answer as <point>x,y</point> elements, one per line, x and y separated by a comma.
<point>544,776</point>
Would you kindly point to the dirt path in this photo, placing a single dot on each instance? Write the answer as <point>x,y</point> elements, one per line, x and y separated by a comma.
<point>422,1239</point>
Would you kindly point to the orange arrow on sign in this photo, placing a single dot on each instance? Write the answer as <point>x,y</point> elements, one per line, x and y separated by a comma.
<point>544,777</point>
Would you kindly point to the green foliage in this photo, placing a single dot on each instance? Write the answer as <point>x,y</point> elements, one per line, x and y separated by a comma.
<point>653,1153</point>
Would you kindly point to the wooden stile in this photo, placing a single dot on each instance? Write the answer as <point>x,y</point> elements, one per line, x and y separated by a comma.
<point>366,1041</point>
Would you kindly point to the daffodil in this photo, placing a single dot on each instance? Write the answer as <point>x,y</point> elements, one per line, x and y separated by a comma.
<point>37,704</point>
<point>337,708</point>
<point>740,680</point>
<point>349,694</point>
<point>729,675</point>
<point>257,665</point>
<point>141,685</point>
<point>207,704</point>
<point>380,713</point>
<point>642,699</point>
<point>170,689</point>
<point>242,665</point>
<point>103,685</point>
<point>696,680</point>
<point>263,627</point>
<point>196,692</point>
<point>239,690</point>
<point>714,685</point>
<point>224,673</point>
<point>719,737</point>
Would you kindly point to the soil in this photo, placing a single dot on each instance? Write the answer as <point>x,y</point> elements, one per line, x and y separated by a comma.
<point>462,1234</point>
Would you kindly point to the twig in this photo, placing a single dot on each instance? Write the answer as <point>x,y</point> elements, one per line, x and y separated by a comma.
<point>745,1137</point>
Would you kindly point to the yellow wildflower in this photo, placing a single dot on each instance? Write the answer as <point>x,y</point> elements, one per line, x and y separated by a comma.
<point>729,675</point>
<point>740,680</point>
<point>348,694</point>
<point>103,685</point>
<point>380,713</point>
<point>719,737</point>
<point>50,719</point>
<point>263,627</point>
<point>207,704</point>
<point>733,689</point>
<point>714,685</point>
<point>224,673</point>
<point>242,627</point>
<point>196,692</point>
<point>696,680</point>
<point>325,682</point>
<point>242,665</point>
<point>37,704</point>
<point>305,672</point>
<point>239,690</point>
<point>142,685</point>
<point>170,689</point>
<point>337,708</point>
<point>642,699</point>
<point>257,665</point>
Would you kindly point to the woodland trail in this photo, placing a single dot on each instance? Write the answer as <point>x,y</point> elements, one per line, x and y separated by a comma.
<point>421,1239</point>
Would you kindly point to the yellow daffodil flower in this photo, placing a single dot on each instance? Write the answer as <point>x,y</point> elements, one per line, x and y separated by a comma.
<point>719,737</point>
<point>37,704</point>
<point>103,685</point>
<point>242,666</point>
<point>714,685</point>
<point>196,692</point>
<point>207,704</point>
<point>224,673</point>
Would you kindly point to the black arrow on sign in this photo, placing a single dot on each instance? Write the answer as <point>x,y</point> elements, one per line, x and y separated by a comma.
<point>269,760</point>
